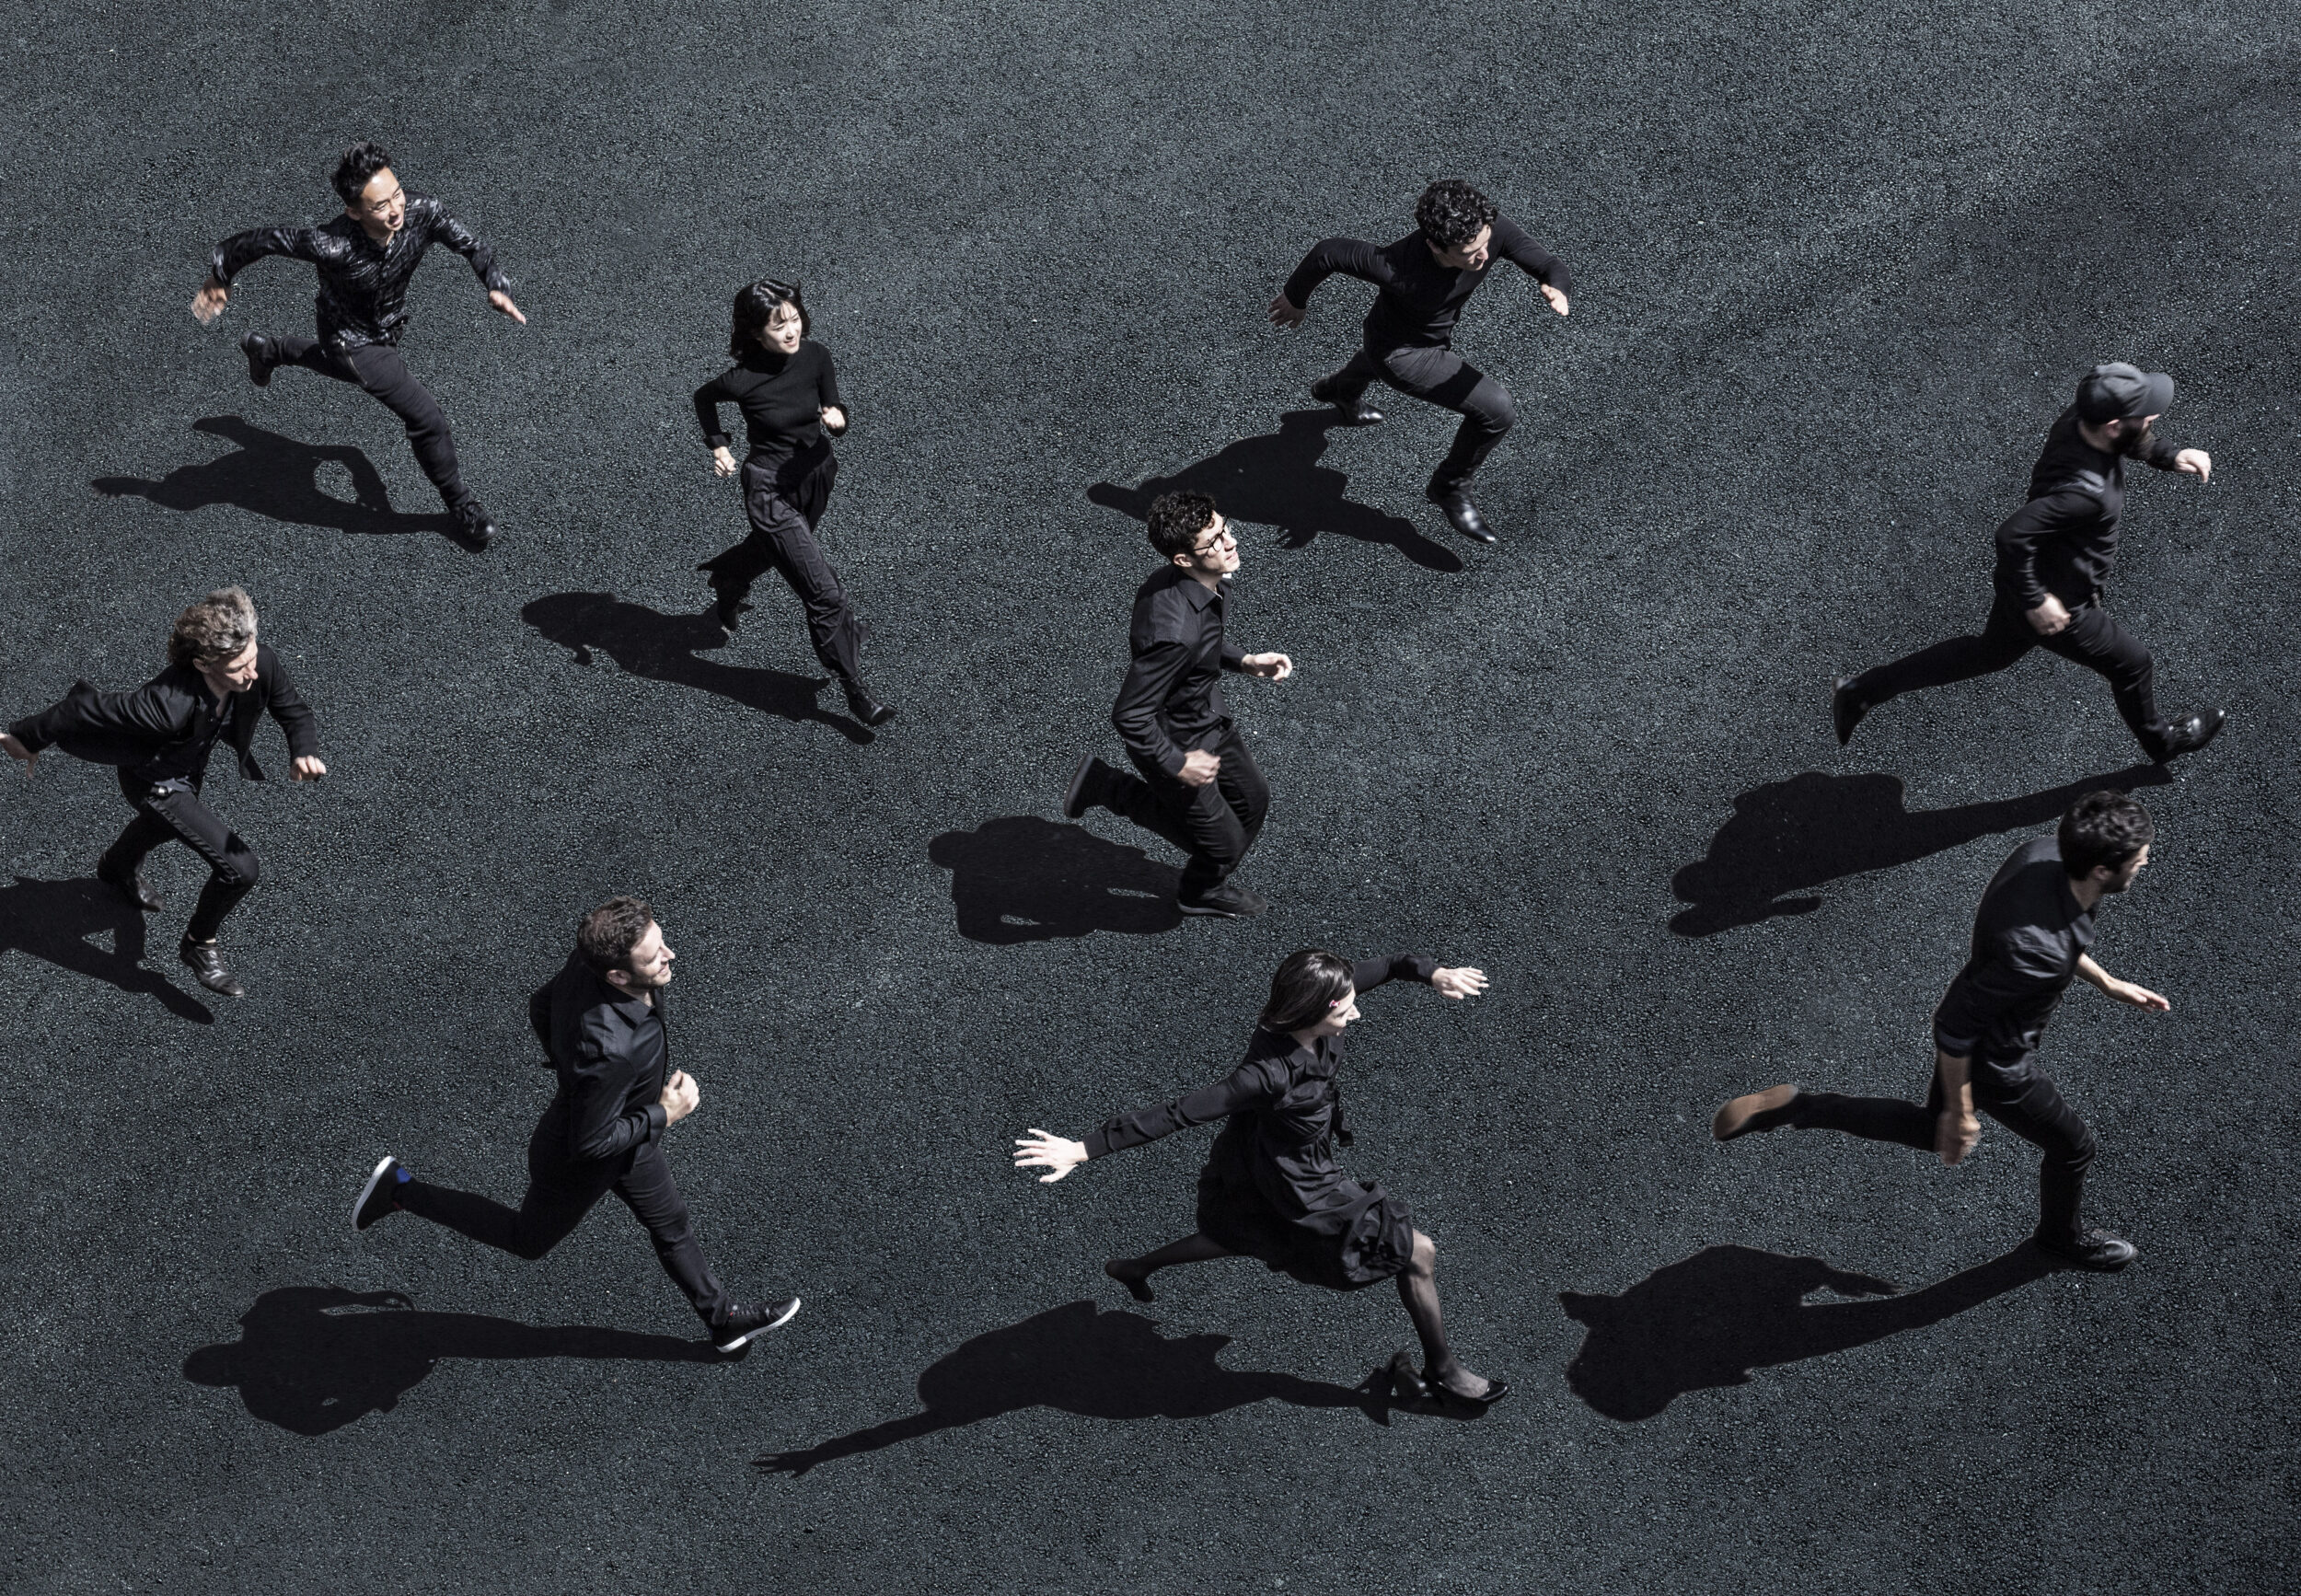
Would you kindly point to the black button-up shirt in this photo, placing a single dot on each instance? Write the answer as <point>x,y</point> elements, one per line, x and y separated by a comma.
<point>2065,539</point>
<point>612,1053</point>
<point>362,294</point>
<point>1420,299</point>
<point>2029,934</point>
<point>1172,700</point>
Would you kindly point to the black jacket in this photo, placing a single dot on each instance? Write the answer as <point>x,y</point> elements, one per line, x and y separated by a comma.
<point>612,1053</point>
<point>2029,934</point>
<point>363,295</point>
<point>1420,299</point>
<point>165,727</point>
<point>2065,539</point>
<point>1172,695</point>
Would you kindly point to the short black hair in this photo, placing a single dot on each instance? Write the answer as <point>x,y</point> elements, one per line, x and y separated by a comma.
<point>360,163</point>
<point>1305,990</point>
<point>1450,213</point>
<point>1175,520</point>
<point>2103,828</point>
<point>605,937</point>
<point>755,304</point>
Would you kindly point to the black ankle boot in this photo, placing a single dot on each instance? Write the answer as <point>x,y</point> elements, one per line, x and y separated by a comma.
<point>866,708</point>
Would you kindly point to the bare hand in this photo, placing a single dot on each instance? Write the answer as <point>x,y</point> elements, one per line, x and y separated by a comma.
<point>1059,1155</point>
<point>1463,982</point>
<point>208,303</point>
<point>308,768</point>
<point>834,419</point>
<point>503,302</point>
<point>1954,1136</point>
<point>724,462</point>
<point>17,750</point>
<point>2194,463</point>
<point>1557,300</point>
<point>1284,312</point>
<point>1274,667</point>
<point>2050,617</point>
<point>680,1095</point>
<point>1198,767</point>
<point>2140,997</point>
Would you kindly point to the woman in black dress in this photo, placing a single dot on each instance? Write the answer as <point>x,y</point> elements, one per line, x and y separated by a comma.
<point>784,382</point>
<point>1271,1188</point>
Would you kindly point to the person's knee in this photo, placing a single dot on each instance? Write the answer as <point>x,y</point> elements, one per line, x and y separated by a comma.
<point>240,869</point>
<point>1492,407</point>
<point>2077,1155</point>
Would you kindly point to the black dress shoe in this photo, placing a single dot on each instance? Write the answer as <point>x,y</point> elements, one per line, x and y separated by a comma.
<point>733,1334</point>
<point>1462,513</point>
<point>130,884</point>
<point>728,613</point>
<point>1753,1111</point>
<point>1846,708</point>
<point>1138,1285</point>
<point>205,961</point>
<point>262,358</point>
<point>2192,733</point>
<point>380,1196</point>
<point>866,708</point>
<point>1224,902</point>
<point>1355,412</point>
<point>2094,1250</point>
<point>475,524</point>
<point>1086,787</point>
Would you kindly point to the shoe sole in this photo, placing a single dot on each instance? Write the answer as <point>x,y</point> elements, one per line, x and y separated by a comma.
<point>2089,1267</point>
<point>1206,912</point>
<point>743,1340</point>
<point>1841,723</point>
<point>1733,1119</point>
<point>374,1179</point>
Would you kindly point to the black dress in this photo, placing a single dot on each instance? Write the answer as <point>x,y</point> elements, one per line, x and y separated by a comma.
<point>1271,1188</point>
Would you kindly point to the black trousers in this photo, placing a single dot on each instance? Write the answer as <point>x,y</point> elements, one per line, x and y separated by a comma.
<point>378,368</point>
<point>783,539</point>
<point>2031,1108</point>
<point>1215,824</point>
<point>560,1191</point>
<point>175,814</point>
<point>2092,639</point>
<point>1440,376</point>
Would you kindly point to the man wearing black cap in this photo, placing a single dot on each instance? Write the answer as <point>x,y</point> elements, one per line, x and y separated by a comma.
<point>2054,556</point>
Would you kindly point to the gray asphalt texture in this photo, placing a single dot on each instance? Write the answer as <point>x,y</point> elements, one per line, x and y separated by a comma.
<point>1837,273</point>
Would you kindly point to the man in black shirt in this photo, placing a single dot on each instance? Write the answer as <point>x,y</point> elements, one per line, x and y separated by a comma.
<point>601,1019</point>
<point>2053,559</point>
<point>365,258</point>
<point>1424,280</point>
<point>2030,939</point>
<point>218,685</point>
<point>1198,786</point>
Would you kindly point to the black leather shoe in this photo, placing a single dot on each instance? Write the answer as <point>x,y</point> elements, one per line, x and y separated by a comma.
<point>866,708</point>
<point>476,526</point>
<point>1753,1111</point>
<point>262,358</point>
<point>1846,708</point>
<point>733,1334</point>
<point>1086,788</point>
<point>1463,515</point>
<point>1224,901</point>
<point>1355,412</point>
<point>2192,733</point>
<point>728,613</point>
<point>205,961</point>
<point>2096,1250</point>
<point>130,884</point>
<point>1138,1285</point>
<point>380,1196</point>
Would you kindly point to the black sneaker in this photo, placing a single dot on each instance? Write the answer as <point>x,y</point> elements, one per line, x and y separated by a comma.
<point>205,960</point>
<point>380,1196</point>
<point>1086,787</point>
<point>262,358</point>
<point>1846,708</point>
<point>2094,1250</point>
<point>741,1324</point>
<point>1223,902</point>
<point>474,524</point>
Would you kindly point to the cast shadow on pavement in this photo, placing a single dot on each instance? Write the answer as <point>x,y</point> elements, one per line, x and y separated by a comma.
<point>664,648</point>
<point>1710,1320</point>
<point>1095,1365</point>
<point>54,921</point>
<point>278,476</point>
<point>314,1359</point>
<point>1274,480</point>
<point>1789,836</point>
<point>1021,879</point>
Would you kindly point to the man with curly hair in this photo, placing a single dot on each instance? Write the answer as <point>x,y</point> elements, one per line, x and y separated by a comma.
<point>367,258</point>
<point>1423,281</point>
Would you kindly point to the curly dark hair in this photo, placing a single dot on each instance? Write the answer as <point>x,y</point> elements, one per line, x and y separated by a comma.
<point>605,936</point>
<point>756,307</point>
<point>2103,828</point>
<point>1450,213</point>
<point>214,629</point>
<point>1307,985</point>
<point>1175,520</point>
<point>360,163</point>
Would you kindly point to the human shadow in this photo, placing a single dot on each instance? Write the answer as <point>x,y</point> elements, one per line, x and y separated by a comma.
<point>1021,879</point>
<point>665,648</point>
<point>1274,480</point>
<point>1711,1319</point>
<point>1786,836</point>
<point>1078,1360</point>
<point>278,476</point>
<point>58,920</point>
<point>314,1359</point>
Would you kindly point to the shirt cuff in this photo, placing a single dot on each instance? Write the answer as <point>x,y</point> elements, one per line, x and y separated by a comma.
<point>658,1120</point>
<point>1097,1143</point>
<point>716,441</point>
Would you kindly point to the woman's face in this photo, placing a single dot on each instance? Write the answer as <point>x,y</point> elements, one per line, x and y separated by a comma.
<point>782,332</point>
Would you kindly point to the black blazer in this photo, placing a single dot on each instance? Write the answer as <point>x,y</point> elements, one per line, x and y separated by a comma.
<point>612,1053</point>
<point>137,727</point>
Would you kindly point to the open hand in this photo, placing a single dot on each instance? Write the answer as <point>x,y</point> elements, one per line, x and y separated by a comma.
<point>1557,300</point>
<point>1058,1154</point>
<point>2140,997</point>
<point>1284,312</point>
<point>1274,667</point>
<point>208,303</point>
<point>2194,463</point>
<point>503,302</point>
<point>1463,982</point>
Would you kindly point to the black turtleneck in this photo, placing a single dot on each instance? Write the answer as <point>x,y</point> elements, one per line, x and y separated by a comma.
<point>782,396</point>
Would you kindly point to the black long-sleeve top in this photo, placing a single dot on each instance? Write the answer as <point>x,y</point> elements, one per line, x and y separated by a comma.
<point>1420,300</point>
<point>165,729</point>
<point>2029,934</point>
<point>1172,700</point>
<point>2065,539</point>
<point>782,397</point>
<point>362,294</point>
<point>612,1053</point>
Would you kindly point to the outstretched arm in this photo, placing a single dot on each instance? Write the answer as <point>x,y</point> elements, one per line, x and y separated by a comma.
<point>2123,991</point>
<point>1245,1087</point>
<point>1460,981</point>
<point>241,251</point>
<point>1351,257</point>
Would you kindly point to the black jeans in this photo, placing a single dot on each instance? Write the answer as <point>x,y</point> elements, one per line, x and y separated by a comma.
<point>560,1191</point>
<point>1437,375</point>
<point>378,368</point>
<point>1215,824</point>
<point>2031,1106</point>
<point>2092,639</point>
<point>783,539</point>
<point>175,814</point>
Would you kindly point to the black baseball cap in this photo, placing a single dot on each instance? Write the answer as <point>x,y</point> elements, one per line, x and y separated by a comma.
<point>2120,392</point>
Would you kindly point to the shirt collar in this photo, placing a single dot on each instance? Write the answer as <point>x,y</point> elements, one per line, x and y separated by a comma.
<point>1198,592</point>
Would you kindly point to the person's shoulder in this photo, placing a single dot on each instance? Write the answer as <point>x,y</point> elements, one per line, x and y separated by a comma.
<point>426,206</point>
<point>816,351</point>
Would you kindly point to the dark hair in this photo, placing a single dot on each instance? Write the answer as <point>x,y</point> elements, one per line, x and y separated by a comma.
<point>2103,828</point>
<point>756,307</point>
<point>1305,989</point>
<point>214,629</point>
<point>360,163</point>
<point>1450,213</point>
<point>1175,520</point>
<point>605,937</point>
